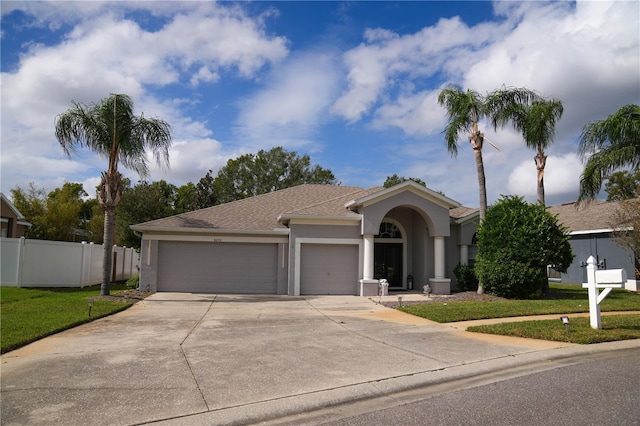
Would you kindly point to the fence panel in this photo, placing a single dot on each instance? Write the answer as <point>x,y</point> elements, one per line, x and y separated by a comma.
<point>39,263</point>
<point>10,259</point>
<point>51,264</point>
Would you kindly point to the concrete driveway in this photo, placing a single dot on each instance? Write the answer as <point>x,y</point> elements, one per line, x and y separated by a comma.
<point>222,359</point>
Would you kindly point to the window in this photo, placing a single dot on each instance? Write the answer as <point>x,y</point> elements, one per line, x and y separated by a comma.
<point>389,230</point>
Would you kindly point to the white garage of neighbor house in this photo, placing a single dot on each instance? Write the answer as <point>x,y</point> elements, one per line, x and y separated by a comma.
<point>311,239</point>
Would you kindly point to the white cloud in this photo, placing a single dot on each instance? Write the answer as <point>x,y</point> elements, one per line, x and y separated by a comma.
<point>105,53</point>
<point>288,110</point>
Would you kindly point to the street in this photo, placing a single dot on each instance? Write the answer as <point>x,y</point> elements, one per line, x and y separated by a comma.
<point>601,389</point>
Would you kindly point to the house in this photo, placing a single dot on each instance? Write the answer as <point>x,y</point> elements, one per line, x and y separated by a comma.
<point>591,226</point>
<point>14,225</point>
<point>311,239</point>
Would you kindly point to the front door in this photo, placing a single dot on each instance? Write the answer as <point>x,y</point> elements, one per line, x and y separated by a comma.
<point>388,263</point>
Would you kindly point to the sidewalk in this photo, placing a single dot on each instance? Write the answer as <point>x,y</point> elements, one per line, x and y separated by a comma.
<point>190,359</point>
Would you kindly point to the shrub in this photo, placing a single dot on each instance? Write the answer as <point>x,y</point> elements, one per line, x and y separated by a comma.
<point>516,242</point>
<point>133,282</point>
<point>466,277</point>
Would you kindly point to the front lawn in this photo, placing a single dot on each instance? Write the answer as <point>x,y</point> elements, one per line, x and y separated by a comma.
<point>29,314</point>
<point>614,327</point>
<point>564,299</point>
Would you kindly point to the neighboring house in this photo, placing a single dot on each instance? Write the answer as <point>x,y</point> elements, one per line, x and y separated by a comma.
<point>14,224</point>
<point>590,226</point>
<point>311,239</point>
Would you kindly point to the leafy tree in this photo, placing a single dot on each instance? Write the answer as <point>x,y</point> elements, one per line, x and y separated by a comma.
<point>537,122</point>
<point>623,185</point>
<point>626,231</point>
<point>395,180</point>
<point>516,242</point>
<point>142,203</point>
<point>206,192</point>
<point>32,203</point>
<point>64,212</point>
<point>608,145</point>
<point>110,129</point>
<point>186,198</point>
<point>56,216</point>
<point>250,175</point>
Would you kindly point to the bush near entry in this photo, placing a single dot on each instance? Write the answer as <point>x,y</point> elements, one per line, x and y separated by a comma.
<point>516,242</point>
<point>466,277</point>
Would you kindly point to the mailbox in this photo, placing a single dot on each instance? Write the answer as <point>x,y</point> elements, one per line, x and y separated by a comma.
<point>611,276</point>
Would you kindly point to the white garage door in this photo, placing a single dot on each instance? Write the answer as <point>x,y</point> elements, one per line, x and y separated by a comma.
<point>328,269</point>
<point>217,267</point>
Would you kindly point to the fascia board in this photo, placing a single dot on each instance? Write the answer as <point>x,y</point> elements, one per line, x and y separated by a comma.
<point>416,188</point>
<point>318,219</point>
<point>179,230</point>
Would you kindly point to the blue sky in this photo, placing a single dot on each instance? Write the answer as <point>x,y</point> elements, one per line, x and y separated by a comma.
<point>352,84</point>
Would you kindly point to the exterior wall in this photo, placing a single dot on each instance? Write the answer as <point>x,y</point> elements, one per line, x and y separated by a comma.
<point>436,217</point>
<point>9,222</point>
<point>604,249</point>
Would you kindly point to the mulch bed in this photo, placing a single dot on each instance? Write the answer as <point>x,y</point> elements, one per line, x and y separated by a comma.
<point>445,298</point>
<point>125,296</point>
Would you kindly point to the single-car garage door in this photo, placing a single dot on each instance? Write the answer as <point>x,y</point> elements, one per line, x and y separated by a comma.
<point>328,269</point>
<point>217,267</point>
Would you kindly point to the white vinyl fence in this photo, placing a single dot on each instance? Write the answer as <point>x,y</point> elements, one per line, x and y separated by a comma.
<point>40,263</point>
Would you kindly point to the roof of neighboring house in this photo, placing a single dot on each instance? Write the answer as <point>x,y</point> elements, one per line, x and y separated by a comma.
<point>586,216</point>
<point>268,211</point>
<point>13,208</point>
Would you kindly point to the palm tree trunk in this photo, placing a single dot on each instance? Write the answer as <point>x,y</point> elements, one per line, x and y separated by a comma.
<point>109,194</point>
<point>476,141</point>
<point>107,258</point>
<point>541,161</point>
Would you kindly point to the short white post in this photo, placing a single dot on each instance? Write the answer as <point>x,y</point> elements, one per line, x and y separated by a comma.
<point>594,306</point>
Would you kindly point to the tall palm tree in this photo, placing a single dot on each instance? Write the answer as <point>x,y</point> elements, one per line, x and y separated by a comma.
<point>464,111</point>
<point>609,144</point>
<point>536,118</point>
<point>110,129</point>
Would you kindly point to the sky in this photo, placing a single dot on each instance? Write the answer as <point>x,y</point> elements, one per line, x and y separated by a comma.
<point>352,84</point>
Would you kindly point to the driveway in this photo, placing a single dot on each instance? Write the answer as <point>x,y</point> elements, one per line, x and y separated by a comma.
<point>211,359</point>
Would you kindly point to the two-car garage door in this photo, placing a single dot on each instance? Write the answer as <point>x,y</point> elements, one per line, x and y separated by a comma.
<point>217,267</point>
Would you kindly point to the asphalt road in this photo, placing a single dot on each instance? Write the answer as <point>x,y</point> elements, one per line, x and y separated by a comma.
<point>603,389</point>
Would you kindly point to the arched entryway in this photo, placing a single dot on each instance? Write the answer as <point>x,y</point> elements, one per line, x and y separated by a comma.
<point>390,253</point>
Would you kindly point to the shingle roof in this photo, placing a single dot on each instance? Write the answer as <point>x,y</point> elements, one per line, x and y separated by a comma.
<point>261,212</point>
<point>588,216</point>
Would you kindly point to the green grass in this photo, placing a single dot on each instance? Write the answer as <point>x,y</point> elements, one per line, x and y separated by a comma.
<point>564,299</point>
<point>614,327</point>
<point>28,314</point>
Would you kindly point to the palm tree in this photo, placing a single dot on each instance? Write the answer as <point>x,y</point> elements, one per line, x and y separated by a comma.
<point>464,111</point>
<point>609,144</point>
<point>536,118</point>
<point>110,129</point>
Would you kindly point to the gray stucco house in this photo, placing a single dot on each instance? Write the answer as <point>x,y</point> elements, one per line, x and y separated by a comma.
<point>590,226</point>
<point>311,239</point>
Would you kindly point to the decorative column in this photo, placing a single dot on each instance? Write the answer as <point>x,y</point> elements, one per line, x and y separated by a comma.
<point>368,286</point>
<point>464,254</point>
<point>438,257</point>
<point>368,257</point>
<point>439,284</point>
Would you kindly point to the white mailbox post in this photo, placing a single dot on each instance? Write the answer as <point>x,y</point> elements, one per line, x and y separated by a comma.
<point>604,279</point>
